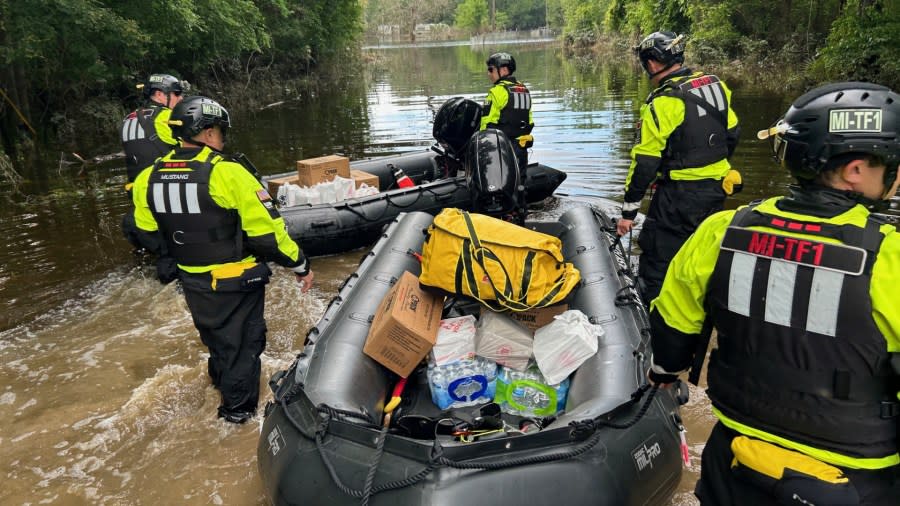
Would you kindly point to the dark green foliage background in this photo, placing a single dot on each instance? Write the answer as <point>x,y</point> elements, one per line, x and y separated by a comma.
<point>63,62</point>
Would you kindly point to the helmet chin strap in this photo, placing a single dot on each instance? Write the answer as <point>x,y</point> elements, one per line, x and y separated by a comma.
<point>651,75</point>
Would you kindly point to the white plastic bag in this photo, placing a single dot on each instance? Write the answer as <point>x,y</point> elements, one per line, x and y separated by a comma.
<point>365,190</point>
<point>562,345</point>
<point>339,188</point>
<point>281,197</point>
<point>503,340</point>
<point>455,340</point>
<point>307,195</point>
<point>344,188</point>
<point>327,193</point>
<point>290,195</point>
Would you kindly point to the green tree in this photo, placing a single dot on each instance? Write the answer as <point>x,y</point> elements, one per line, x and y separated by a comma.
<point>863,45</point>
<point>473,16</point>
<point>523,14</point>
<point>58,56</point>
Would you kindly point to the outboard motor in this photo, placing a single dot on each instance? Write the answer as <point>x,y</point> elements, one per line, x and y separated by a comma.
<point>455,122</point>
<point>493,177</point>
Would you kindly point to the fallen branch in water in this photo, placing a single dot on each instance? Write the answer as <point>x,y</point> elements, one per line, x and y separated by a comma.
<point>8,172</point>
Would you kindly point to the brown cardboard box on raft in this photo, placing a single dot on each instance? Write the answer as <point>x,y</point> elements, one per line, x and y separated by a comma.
<point>405,326</point>
<point>276,182</point>
<point>361,176</point>
<point>537,317</point>
<point>313,171</point>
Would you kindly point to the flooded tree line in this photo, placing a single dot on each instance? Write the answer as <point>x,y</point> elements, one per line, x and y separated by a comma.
<point>70,68</point>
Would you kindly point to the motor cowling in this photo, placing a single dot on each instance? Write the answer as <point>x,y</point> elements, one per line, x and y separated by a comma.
<point>493,176</point>
<point>455,122</point>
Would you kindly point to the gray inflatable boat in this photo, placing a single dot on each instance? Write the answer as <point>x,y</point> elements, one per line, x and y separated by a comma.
<point>323,442</point>
<point>325,229</point>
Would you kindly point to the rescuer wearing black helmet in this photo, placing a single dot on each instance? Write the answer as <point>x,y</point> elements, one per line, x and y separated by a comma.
<point>802,293</point>
<point>508,106</point>
<point>214,219</point>
<point>146,134</point>
<point>687,132</point>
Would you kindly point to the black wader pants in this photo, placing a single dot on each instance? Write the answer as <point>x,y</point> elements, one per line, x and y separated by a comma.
<point>719,486</point>
<point>231,324</point>
<point>522,158</point>
<point>676,210</point>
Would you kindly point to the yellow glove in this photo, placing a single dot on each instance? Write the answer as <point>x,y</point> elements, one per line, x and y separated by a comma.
<point>732,183</point>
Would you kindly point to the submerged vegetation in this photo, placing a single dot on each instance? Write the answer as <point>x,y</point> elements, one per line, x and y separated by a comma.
<point>778,44</point>
<point>68,67</point>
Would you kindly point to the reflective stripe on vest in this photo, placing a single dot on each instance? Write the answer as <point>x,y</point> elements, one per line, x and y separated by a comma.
<point>710,92</point>
<point>197,231</point>
<point>514,118</point>
<point>132,128</point>
<point>140,140</point>
<point>799,354</point>
<point>832,262</point>
<point>520,99</point>
<point>178,194</point>
<point>702,138</point>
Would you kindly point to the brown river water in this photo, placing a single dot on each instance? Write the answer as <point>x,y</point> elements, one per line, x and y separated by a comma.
<point>105,397</point>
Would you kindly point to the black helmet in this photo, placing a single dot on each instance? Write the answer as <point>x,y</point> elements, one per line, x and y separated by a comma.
<point>194,114</point>
<point>162,82</point>
<point>455,122</point>
<point>498,60</point>
<point>664,47</point>
<point>837,119</point>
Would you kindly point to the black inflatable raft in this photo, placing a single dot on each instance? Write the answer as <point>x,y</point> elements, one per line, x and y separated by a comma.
<point>323,229</point>
<point>616,443</point>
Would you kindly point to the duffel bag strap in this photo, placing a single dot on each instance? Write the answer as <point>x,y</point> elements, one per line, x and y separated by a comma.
<point>505,299</point>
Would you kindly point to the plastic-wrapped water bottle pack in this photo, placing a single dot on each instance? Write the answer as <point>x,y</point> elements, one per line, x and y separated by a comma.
<point>526,393</point>
<point>462,383</point>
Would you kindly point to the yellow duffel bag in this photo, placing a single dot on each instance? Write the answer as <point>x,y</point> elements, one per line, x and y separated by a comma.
<point>501,264</point>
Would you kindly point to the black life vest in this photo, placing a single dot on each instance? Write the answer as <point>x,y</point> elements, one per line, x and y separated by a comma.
<point>799,354</point>
<point>702,138</point>
<point>514,118</point>
<point>141,141</point>
<point>197,231</point>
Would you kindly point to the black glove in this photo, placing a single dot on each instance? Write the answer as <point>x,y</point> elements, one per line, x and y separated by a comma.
<point>166,269</point>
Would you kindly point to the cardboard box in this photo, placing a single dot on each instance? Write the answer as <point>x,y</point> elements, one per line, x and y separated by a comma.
<point>538,317</point>
<point>361,176</point>
<point>323,169</point>
<point>405,326</point>
<point>276,182</point>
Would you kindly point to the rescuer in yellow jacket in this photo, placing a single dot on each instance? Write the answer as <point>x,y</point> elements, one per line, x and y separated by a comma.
<point>508,106</point>
<point>213,218</point>
<point>687,132</point>
<point>802,291</point>
<point>146,134</point>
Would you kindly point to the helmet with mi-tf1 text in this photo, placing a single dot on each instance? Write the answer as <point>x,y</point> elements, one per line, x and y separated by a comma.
<point>498,60</point>
<point>665,47</point>
<point>195,114</point>
<point>838,119</point>
<point>163,82</point>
